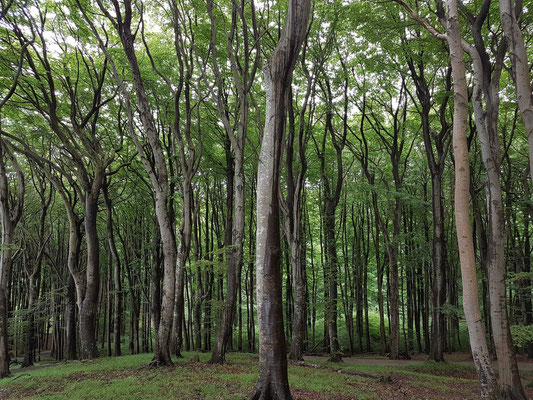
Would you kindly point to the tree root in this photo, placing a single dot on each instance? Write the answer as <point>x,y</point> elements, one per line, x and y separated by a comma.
<point>381,378</point>
<point>156,363</point>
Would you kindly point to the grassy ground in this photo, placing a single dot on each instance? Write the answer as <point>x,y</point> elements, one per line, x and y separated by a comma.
<point>128,378</point>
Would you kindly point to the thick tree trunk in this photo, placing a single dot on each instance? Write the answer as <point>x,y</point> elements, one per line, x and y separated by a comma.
<point>273,380</point>
<point>88,305</point>
<point>158,173</point>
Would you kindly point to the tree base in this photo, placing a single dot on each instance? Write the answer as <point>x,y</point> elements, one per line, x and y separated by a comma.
<point>159,362</point>
<point>154,364</point>
<point>217,359</point>
<point>335,357</point>
<point>296,356</point>
<point>271,391</point>
<point>512,394</point>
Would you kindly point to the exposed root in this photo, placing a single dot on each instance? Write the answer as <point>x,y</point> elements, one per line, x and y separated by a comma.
<point>381,378</point>
<point>157,363</point>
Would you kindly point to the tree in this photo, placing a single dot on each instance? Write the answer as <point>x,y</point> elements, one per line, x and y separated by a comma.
<point>510,13</point>
<point>476,330</point>
<point>243,74</point>
<point>157,171</point>
<point>273,381</point>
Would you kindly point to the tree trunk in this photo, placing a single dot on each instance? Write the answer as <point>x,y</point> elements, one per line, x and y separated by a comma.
<point>476,330</point>
<point>158,172</point>
<point>71,347</point>
<point>486,87</point>
<point>89,303</point>
<point>10,215</point>
<point>509,14</point>
<point>117,280</point>
<point>273,380</point>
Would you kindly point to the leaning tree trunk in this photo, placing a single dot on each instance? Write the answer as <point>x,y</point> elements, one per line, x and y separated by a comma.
<point>476,330</point>
<point>273,380</point>
<point>157,171</point>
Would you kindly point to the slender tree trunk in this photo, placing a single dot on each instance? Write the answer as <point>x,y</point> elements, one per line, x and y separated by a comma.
<point>10,215</point>
<point>476,330</point>
<point>117,280</point>
<point>509,14</point>
<point>71,347</point>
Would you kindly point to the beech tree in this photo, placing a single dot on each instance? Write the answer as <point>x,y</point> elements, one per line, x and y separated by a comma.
<point>173,203</point>
<point>273,381</point>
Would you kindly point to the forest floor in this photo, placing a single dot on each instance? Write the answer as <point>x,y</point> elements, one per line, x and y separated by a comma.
<point>368,377</point>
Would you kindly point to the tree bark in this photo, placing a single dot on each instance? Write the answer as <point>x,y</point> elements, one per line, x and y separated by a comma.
<point>476,330</point>
<point>509,14</point>
<point>10,214</point>
<point>486,87</point>
<point>117,279</point>
<point>273,380</point>
<point>158,172</point>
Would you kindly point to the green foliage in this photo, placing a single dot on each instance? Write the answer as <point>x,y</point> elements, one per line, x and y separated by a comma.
<point>522,335</point>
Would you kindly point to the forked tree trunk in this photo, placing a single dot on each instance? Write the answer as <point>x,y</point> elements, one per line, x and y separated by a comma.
<point>509,14</point>
<point>486,87</point>
<point>476,330</point>
<point>273,380</point>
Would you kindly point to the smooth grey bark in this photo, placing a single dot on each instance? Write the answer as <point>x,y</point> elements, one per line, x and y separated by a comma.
<point>510,12</point>
<point>273,380</point>
<point>117,279</point>
<point>243,77</point>
<point>485,100</point>
<point>158,172</point>
<point>476,330</point>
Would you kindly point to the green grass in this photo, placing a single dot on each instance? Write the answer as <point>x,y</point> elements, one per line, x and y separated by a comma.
<point>127,377</point>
